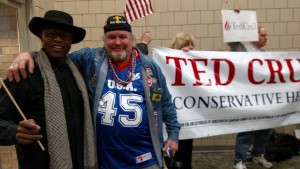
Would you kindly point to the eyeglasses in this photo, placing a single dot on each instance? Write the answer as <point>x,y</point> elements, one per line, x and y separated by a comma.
<point>54,34</point>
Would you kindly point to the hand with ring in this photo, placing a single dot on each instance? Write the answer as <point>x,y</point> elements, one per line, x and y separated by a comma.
<point>19,66</point>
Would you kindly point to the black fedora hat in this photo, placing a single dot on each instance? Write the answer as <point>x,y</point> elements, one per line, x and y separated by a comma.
<point>59,18</point>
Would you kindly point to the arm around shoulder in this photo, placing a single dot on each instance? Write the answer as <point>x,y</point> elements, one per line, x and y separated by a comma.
<point>19,65</point>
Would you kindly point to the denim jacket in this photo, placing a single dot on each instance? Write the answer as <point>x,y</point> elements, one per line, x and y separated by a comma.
<point>93,65</point>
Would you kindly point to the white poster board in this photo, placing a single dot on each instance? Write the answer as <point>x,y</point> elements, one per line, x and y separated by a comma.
<point>239,27</point>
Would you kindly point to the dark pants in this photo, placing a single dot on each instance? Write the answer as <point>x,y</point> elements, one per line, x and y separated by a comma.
<point>184,153</point>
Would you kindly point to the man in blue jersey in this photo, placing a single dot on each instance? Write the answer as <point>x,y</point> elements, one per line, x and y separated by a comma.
<point>130,100</point>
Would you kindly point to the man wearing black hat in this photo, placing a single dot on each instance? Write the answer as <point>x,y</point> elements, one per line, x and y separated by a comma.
<point>54,99</point>
<point>129,99</point>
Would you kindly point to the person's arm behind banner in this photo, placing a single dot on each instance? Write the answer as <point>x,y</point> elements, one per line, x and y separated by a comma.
<point>236,46</point>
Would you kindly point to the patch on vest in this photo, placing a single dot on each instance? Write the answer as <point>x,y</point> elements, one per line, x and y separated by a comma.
<point>143,157</point>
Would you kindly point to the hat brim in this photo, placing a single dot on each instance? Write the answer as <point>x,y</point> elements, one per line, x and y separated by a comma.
<point>37,24</point>
<point>116,27</point>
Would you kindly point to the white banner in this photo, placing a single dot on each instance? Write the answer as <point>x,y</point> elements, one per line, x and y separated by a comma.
<point>238,27</point>
<point>219,93</point>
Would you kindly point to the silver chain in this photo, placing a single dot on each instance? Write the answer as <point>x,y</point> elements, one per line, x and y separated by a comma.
<point>130,74</point>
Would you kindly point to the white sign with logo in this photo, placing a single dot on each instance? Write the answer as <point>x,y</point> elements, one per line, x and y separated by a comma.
<point>239,27</point>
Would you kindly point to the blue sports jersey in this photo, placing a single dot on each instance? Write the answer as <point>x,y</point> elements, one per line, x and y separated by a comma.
<point>123,135</point>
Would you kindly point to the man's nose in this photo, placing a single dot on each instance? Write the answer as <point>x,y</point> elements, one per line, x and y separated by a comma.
<point>117,41</point>
<point>58,38</point>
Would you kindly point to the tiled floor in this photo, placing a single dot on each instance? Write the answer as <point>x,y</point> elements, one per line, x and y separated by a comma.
<point>224,160</point>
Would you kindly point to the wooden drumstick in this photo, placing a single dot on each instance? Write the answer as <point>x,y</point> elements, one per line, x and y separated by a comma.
<point>18,108</point>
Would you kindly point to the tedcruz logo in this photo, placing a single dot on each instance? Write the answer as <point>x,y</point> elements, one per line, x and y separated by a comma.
<point>227,26</point>
<point>236,26</point>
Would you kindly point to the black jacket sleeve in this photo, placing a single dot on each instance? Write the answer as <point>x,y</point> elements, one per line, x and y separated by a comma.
<point>8,131</point>
<point>143,48</point>
<point>8,127</point>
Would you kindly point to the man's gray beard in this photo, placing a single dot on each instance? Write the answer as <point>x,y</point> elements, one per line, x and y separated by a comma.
<point>118,57</point>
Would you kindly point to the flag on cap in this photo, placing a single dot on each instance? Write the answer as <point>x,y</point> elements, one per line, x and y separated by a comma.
<point>225,1</point>
<point>136,9</point>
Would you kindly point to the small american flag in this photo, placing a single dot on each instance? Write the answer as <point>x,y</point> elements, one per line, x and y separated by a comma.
<point>225,1</point>
<point>136,9</point>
